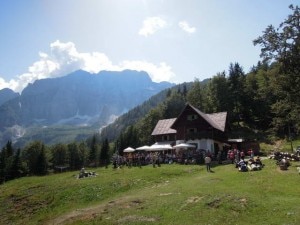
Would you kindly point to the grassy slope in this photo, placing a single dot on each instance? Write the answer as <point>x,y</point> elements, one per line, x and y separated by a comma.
<point>171,194</point>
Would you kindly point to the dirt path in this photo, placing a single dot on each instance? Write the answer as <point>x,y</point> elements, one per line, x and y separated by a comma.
<point>90,212</point>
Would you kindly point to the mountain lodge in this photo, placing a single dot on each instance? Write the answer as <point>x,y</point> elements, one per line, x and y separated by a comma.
<point>205,131</point>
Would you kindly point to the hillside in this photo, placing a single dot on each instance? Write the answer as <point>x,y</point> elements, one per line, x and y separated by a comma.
<point>171,194</point>
<point>113,130</point>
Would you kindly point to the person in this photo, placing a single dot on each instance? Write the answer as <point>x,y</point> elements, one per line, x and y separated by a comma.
<point>158,158</point>
<point>242,166</point>
<point>231,157</point>
<point>252,165</point>
<point>139,160</point>
<point>82,173</point>
<point>284,163</point>
<point>236,156</point>
<point>153,158</point>
<point>219,157</point>
<point>129,158</point>
<point>207,161</point>
<point>242,154</point>
<point>251,153</point>
<point>258,162</point>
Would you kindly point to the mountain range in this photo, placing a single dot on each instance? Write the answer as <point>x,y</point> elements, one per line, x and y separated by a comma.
<point>77,100</point>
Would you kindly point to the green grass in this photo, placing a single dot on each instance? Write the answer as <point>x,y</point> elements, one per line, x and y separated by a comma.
<point>171,194</point>
<point>282,145</point>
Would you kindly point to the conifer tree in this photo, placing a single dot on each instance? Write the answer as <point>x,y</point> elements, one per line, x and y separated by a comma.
<point>236,91</point>
<point>93,151</point>
<point>32,154</point>
<point>17,169</point>
<point>104,154</point>
<point>74,156</point>
<point>41,167</point>
<point>2,166</point>
<point>195,95</point>
<point>6,158</point>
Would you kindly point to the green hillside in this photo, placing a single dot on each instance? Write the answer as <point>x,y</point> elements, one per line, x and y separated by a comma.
<point>170,194</point>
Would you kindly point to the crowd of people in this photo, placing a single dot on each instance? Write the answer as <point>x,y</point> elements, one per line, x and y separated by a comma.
<point>250,165</point>
<point>157,158</point>
<point>238,158</point>
<point>283,159</point>
<point>234,156</point>
<point>242,160</point>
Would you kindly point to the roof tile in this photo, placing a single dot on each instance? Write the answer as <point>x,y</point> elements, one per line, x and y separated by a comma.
<point>164,127</point>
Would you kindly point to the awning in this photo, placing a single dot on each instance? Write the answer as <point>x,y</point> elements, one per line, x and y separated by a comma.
<point>159,147</point>
<point>238,140</point>
<point>145,147</point>
<point>129,149</point>
<point>184,146</point>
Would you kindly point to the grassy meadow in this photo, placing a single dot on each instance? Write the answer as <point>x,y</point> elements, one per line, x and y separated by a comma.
<point>170,194</point>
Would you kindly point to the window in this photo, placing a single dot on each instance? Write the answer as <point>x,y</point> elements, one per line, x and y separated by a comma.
<point>165,137</point>
<point>192,130</point>
<point>192,117</point>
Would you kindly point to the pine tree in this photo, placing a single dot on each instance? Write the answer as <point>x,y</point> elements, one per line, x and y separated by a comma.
<point>236,90</point>
<point>41,167</point>
<point>32,154</point>
<point>83,154</point>
<point>93,151</point>
<point>6,158</point>
<point>59,155</point>
<point>104,154</point>
<point>2,166</point>
<point>16,168</point>
<point>195,95</point>
<point>74,156</point>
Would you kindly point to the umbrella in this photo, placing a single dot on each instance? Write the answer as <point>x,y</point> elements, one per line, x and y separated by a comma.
<point>145,147</point>
<point>129,149</point>
<point>184,145</point>
<point>159,147</point>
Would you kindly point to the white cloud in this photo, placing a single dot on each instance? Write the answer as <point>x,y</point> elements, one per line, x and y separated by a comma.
<point>151,25</point>
<point>3,83</point>
<point>186,27</point>
<point>158,73</point>
<point>12,84</point>
<point>64,59</point>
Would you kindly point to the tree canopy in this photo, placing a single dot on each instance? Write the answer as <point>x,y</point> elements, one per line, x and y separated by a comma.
<point>282,45</point>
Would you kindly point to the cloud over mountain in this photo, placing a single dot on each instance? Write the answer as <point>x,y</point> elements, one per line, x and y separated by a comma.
<point>64,58</point>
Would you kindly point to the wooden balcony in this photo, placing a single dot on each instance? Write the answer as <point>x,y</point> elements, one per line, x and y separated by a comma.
<point>204,135</point>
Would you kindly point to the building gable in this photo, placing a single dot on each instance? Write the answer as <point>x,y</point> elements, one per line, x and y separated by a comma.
<point>191,114</point>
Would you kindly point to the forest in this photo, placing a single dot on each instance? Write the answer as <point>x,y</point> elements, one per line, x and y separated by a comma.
<point>264,101</point>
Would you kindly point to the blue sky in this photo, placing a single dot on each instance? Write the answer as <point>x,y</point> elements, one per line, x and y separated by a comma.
<point>173,40</point>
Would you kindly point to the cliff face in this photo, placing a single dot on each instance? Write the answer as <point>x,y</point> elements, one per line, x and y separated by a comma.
<point>7,94</point>
<point>79,97</point>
